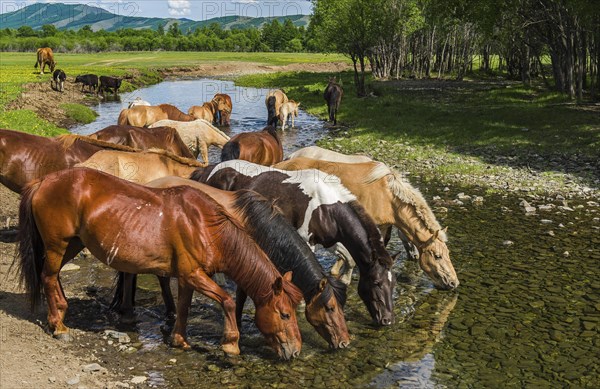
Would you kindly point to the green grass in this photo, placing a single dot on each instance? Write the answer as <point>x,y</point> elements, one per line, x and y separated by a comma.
<point>79,113</point>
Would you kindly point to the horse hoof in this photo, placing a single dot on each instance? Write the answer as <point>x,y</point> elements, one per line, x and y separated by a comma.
<point>63,337</point>
<point>231,349</point>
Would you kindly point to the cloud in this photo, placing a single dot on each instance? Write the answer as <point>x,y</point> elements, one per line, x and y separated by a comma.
<point>179,7</point>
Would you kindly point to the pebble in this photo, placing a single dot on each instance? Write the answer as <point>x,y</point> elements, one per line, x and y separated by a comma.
<point>122,337</point>
<point>546,221</point>
<point>172,360</point>
<point>477,200</point>
<point>138,379</point>
<point>92,367</point>
<point>457,202</point>
<point>551,233</point>
<point>566,254</point>
<point>52,379</point>
<point>508,243</point>
<point>70,267</point>
<point>73,381</point>
<point>565,208</point>
<point>463,197</point>
<point>547,207</point>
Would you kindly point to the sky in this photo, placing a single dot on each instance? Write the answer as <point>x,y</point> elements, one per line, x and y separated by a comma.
<point>192,9</point>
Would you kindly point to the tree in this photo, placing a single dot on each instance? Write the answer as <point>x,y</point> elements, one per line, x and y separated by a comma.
<point>160,29</point>
<point>174,30</point>
<point>49,30</point>
<point>25,31</point>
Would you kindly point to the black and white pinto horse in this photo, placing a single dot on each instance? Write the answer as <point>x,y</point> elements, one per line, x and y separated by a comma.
<point>325,213</point>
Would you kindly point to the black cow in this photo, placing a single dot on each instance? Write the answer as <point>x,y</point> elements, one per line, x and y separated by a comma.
<point>108,84</point>
<point>89,80</point>
<point>59,78</point>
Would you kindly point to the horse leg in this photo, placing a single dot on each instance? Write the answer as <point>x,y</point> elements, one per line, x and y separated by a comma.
<point>165,288</point>
<point>411,250</point>
<point>127,299</point>
<point>204,152</point>
<point>240,300</point>
<point>205,285</point>
<point>386,233</point>
<point>57,304</point>
<point>184,300</point>
<point>345,264</point>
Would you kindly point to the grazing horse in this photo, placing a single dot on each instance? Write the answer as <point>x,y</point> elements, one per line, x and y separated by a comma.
<point>325,214</point>
<point>89,80</point>
<point>392,201</point>
<point>138,101</point>
<point>325,296</point>
<point>144,116</point>
<point>25,157</point>
<point>45,56</point>
<point>194,238</point>
<point>207,111</point>
<point>224,108</point>
<point>143,166</point>
<point>198,135</point>
<point>289,109</point>
<point>273,101</point>
<point>333,95</point>
<point>262,147</point>
<point>59,78</point>
<point>142,138</point>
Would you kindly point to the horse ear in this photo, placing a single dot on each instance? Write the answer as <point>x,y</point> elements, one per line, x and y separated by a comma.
<point>445,229</point>
<point>288,276</point>
<point>278,286</point>
<point>322,284</point>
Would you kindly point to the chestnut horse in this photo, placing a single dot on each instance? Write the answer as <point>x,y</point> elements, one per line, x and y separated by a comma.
<point>143,138</point>
<point>194,238</point>
<point>392,201</point>
<point>45,56</point>
<point>207,111</point>
<point>198,135</point>
<point>273,101</point>
<point>333,96</point>
<point>144,116</point>
<point>224,109</point>
<point>261,147</point>
<point>141,167</point>
<point>25,157</point>
<point>325,296</point>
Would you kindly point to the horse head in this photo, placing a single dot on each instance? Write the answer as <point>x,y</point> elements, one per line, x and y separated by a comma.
<point>376,290</point>
<point>435,261</point>
<point>325,313</point>
<point>276,317</point>
<point>53,65</point>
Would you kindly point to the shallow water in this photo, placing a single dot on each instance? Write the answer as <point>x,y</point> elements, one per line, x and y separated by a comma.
<point>525,314</point>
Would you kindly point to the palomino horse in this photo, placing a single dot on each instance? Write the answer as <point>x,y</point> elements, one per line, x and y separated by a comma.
<point>143,138</point>
<point>198,135</point>
<point>224,108</point>
<point>288,109</point>
<point>25,157</point>
<point>392,201</point>
<point>141,167</point>
<point>273,101</point>
<point>333,95</point>
<point>316,152</point>
<point>195,238</point>
<point>144,116</point>
<point>324,214</point>
<point>325,296</point>
<point>262,147</point>
<point>207,111</point>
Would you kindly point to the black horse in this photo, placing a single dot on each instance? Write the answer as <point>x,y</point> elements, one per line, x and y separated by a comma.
<point>333,95</point>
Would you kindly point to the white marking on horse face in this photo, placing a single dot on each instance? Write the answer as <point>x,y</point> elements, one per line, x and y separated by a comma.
<point>160,214</point>
<point>389,276</point>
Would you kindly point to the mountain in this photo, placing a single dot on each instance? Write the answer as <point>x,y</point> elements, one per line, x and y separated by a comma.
<point>75,16</point>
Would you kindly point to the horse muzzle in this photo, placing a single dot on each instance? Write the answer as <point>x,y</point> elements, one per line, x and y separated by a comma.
<point>288,351</point>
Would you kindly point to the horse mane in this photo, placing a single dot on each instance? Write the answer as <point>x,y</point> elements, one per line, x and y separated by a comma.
<point>175,157</point>
<point>67,141</point>
<point>373,234</point>
<point>407,194</point>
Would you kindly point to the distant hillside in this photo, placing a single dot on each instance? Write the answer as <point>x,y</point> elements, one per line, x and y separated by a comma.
<point>75,16</point>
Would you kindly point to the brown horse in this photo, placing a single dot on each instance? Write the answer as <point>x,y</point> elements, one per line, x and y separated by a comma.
<point>273,101</point>
<point>142,138</point>
<point>207,111</point>
<point>392,201</point>
<point>261,147</point>
<point>333,96</point>
<point>144,116</point>
<point>224,108</point>
<point>45,56</point>
<point>195,238</point>
<point>141,167</point>
<point>25,157</point>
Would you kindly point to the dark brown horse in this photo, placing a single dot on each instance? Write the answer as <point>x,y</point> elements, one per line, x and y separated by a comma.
<point>144,116</point>
<point>193,238</point>
<point>224,108</point>
<point>261,147</point>
<point>333,95</point>
<point>142,138</point>
<point>25,157</point>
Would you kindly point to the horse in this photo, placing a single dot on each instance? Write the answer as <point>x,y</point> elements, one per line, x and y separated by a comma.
<point>325,214</point>
<point>25,157</point>
<point>262,147</point>
<point>198,135</point>
<point>325,296</point>
<point>224,108</point>
<point>392,201</point>
<point>143,166</point>
<point>333,95</point>
<point>286,110</point>
<point>138,101</point>
<point>195,238</point>
<point>142,138</point>
<point>144,116</point>
<point>45,56</point>
<point>207,111</point>
<point>316,152</point>
<point>273,101</point>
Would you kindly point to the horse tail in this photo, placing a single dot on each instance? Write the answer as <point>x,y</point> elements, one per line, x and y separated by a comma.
<point>230,151</point>
<point>271,111</point>
<point>273,132</point>
<point>31,247</point>
<point>123,120</point>
<point>36,63</point>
